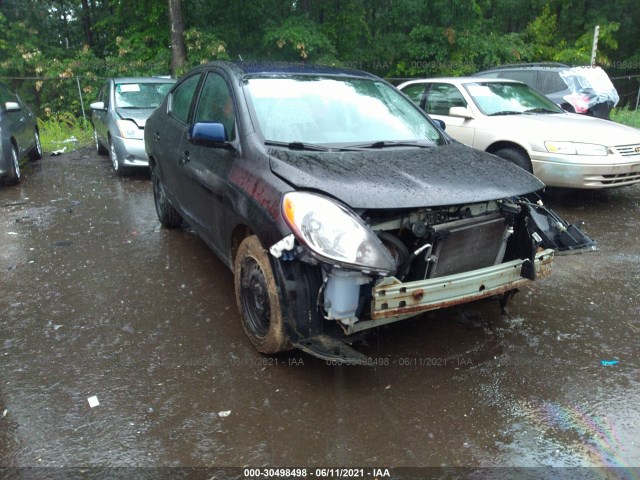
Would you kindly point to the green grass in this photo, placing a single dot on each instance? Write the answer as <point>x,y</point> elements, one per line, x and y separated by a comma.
<point>64,131</point>
<point>626,117</point>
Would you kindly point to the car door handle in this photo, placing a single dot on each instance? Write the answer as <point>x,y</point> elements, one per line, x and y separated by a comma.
<point>185,158</point>
<point>157,136</point>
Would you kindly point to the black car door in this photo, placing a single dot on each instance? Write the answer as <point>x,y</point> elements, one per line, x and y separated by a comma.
<point>168,134</point>
<point>206,168</point>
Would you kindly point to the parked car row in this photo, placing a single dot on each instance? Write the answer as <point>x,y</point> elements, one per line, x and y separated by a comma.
<point>339,204</point>
<point>342,203</point>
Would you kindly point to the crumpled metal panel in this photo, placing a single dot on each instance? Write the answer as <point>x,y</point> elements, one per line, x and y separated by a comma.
<point>393,300</point>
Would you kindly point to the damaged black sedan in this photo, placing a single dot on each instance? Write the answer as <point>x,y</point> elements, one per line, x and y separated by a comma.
<point>338,204</point>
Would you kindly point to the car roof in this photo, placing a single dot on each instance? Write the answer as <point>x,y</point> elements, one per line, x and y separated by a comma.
<point>525,66</point>
<point>275,68</point>
<point>459,80</point>
<point>143,80</point>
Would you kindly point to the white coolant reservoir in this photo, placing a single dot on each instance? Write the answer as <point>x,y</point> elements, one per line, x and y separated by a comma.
<point>342,294</point>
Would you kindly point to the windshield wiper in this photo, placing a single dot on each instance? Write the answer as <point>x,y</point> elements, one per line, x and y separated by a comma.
<point>298,146</point>
<point>388,143</point>
<point>504,112</point>
<point>541,110</point>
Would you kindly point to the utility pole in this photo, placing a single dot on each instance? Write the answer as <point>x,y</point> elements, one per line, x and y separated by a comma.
<point>594,48</point>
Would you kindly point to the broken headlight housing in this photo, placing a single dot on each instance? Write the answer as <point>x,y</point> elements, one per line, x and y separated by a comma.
<point>334,234</point>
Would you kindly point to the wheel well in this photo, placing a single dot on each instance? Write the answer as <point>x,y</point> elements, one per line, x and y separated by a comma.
<point>239,234</point>
<point>500,145</point>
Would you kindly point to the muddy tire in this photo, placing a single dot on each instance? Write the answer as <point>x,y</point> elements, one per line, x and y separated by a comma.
<point>120,170</point>
<point>13,177</point>
<point>258,298</point>
<point>100,150</point>
<point>36,151</point>
<point>516,157</point>
<point>168,216</point>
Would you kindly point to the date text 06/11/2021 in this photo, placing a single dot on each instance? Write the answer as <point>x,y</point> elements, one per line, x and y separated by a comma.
<point>265,473</point>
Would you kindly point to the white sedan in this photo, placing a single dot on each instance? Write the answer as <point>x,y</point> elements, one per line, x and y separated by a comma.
<point>515,122</point>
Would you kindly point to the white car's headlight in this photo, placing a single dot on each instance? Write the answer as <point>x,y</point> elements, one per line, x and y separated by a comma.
<point>334,234</point>
<point>573,148</point>
<point>129,129</point>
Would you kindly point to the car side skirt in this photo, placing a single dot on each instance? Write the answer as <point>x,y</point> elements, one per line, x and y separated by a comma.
<point>393,300</point>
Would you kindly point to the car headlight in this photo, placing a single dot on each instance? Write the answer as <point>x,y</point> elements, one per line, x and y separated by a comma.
<point>129,129</point>
<point>334,234</point>
<point>573,148</point>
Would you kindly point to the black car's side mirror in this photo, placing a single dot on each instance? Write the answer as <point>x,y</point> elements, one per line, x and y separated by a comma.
<point>209,134</point>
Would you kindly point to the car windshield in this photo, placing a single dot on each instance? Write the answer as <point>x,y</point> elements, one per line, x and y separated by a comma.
<point>509,99</point>
<point>141,95</point>
<point>336,111</point>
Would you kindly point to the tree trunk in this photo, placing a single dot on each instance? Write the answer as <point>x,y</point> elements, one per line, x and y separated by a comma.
<point>178,49</point>
<point>86,23</point>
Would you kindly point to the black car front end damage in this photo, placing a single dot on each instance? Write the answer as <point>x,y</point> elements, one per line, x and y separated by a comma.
<point>443,256</point>
<point>339,205</point>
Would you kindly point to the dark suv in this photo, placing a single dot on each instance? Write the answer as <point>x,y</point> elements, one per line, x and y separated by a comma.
<point>547,78</point>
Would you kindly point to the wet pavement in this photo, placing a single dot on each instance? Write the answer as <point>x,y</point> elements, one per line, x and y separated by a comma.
<point>98,301</point>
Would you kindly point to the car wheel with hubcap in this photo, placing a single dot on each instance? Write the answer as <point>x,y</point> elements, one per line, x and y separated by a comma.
<point>516,157</point>
<point>36,151</point>
<point>258,299</point>
<point>168,216</point>
<point>100,150</point>
<point>13,177</point>
<point>120,170</point>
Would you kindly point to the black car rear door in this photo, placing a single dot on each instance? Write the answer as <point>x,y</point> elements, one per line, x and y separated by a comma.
<point>169,133</point>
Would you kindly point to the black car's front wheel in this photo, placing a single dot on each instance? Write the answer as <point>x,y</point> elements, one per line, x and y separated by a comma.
<point>168,216</point>
<point>258,299</point>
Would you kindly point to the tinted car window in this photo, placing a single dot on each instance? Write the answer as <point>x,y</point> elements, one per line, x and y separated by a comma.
<point>524,76</point>
<point>102,95</point>
<point>414,92</point>
<point>442,97</point>
<point>182,97</point>
<point>216,104</point>
<point>549,82</point>
<point>6,95</point>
